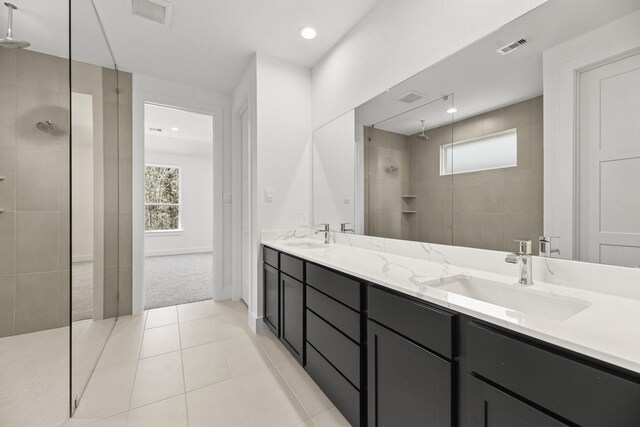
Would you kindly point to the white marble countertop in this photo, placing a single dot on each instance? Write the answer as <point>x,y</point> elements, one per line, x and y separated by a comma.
<point>608,329</point>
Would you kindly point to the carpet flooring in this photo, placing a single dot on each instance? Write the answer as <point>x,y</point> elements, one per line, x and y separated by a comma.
<point>177,279</point>
<point>168,280</point>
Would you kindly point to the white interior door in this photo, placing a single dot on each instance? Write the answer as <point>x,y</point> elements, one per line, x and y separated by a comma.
<point>246,207</point>
<point>609,162</point>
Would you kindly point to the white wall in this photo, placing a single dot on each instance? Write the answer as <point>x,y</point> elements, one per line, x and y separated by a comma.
<point>562,66</point>
<point>333,177</point>
<point>398,39</point>
<point>196,207</point>
<point>278,97</point>
<point>148,89</point>
<point>284,137</point>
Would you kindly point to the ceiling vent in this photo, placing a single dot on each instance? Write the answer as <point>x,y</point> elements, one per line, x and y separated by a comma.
<point>410,97</point>
<point>158,11</point>
<point>511,46</point>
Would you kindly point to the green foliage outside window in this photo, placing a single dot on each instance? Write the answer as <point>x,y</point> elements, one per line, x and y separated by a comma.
<point>162,198</point>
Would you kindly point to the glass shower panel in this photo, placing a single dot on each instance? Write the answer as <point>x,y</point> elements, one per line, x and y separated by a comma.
<point>94,198</point>
<point>34,214</point>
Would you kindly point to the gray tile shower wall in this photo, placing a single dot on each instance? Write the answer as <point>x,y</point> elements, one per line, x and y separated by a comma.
<point>35,194</point>
<point>34,227</point>
<point>486,209</point>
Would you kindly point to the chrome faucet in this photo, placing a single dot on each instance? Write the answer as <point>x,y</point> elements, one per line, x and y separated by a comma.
<point>326,231</point>
<point>544,246</point>
<point>524,261</point>
<point>344,229</point>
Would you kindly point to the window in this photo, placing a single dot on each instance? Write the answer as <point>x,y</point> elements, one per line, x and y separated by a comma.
<point>495,151</point>
<point>161,198</point>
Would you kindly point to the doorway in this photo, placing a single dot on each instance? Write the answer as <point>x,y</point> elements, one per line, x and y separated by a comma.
<point>609,158</point>
<point>178,206</point>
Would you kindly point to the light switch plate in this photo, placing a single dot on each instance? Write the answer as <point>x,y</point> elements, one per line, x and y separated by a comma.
<point>303,218</point>
<point>268,194</point>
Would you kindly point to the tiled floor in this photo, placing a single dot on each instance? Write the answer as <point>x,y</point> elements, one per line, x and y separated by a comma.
<point>200,364</point>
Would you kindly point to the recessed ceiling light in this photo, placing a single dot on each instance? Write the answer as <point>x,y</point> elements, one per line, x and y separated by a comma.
<point>175,129</point>
<point>308,33</point>
<point>452,110</point>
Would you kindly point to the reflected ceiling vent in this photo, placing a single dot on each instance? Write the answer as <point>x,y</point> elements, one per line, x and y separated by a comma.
<point>511,46</point>
<point>158,11</point>
<point>410,97</point>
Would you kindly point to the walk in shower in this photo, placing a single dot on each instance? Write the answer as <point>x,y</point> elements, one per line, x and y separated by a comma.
<point>65,205</point>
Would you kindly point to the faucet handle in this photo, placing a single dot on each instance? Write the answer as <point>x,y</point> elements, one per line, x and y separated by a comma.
<point>325,227</point>
<point>524,247</point>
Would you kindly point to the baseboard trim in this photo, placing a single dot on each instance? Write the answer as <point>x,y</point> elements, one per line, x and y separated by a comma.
<point>179,251</point>
<point>256,324</point>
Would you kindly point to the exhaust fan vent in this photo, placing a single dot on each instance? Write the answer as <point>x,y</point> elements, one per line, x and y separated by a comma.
<point>410,97</point>
<point>511,46</point>
<point>158,11</point>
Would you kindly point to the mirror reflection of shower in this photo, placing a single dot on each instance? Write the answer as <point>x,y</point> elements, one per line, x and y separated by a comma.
<point>9,42</point>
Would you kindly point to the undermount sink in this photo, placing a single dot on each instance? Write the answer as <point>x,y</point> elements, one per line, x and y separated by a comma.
<point>515,297</point>
<point>305,244</point>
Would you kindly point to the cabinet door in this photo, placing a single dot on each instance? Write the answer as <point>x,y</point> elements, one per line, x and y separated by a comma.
<point>408,385</point>
<point>271,299</point>
<point>490,407</point>
<point>291,321</point>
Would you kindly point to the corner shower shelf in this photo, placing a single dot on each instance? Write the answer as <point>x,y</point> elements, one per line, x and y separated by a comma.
<point>409,212</point>
<point>408,196</point>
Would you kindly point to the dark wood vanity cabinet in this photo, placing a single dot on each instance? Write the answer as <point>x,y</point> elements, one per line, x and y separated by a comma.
<point>271,285</point>
<point>388,359</point>
<point>292,314</point>
<point>409,362</point>
<point>284,299</point>
<point>336,345</point>
<point>491,407</point>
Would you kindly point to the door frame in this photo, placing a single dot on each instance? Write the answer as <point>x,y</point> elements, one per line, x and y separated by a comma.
<point>563,65</point>
<point>166,96</point>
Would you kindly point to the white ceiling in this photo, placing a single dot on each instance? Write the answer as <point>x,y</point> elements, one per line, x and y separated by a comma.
<point>209,43</point>
<point>481,79</point>
<point>45,24</point>
<point>194,136</point>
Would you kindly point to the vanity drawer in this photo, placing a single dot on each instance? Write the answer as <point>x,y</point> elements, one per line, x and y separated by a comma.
<point>337,286</point>
<point>342,394</point>
<point>271,257</point>
<point>340,316</point>
<point>293,267</point>
<point>574,390</point>
<point>426,325</point>
<point>343,353</point>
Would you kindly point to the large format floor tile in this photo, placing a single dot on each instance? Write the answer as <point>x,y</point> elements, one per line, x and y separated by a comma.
<point>200,365</point>
<point>158,378</point>
<point>197,332</point>
<point>161,317</point>
<point>204,365</point>
<point>160,340</point>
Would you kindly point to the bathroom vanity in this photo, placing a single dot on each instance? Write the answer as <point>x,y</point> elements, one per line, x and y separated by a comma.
<point>399,341</point>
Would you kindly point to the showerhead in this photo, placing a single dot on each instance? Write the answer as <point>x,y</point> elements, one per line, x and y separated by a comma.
<point>46,127</point>
<point>9,42</point>
<point>421,135</point>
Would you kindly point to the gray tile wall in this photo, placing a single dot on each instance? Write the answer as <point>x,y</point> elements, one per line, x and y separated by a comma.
<point>35,195</point>
<point>480,209</point>
<point>34,227</point>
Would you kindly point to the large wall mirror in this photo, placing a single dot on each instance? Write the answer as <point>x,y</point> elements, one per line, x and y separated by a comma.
<point>531,131</point>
